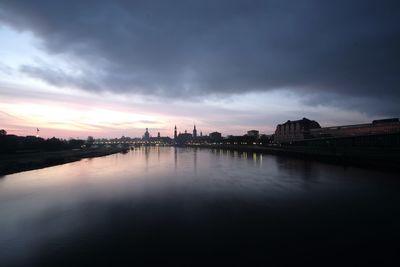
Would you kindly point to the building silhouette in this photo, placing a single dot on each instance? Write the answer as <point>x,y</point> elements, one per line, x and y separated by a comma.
<point>215,136</point>
<point>183,138</point>
<point>146,135</point>
<point>295,130</point>
<point>175,133</point>
<point>194,131</point>
<point>255,133</point>
<point>310,133</point>
<point>383,126</point>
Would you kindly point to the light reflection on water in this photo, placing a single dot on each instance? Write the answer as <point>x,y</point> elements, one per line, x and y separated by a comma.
<point>46,212</point>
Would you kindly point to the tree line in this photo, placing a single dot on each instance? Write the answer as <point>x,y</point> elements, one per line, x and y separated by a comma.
<point>13,143</point>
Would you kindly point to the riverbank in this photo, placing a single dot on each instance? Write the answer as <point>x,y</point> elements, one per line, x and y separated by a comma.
<point>376,158</point>
<point>18,162</point>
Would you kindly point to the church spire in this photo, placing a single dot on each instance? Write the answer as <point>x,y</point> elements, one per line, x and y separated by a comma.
<point>175,133</point>
<point>194,131</point>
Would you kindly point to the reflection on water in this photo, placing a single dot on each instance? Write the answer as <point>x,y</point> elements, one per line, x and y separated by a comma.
<point>178,204</point>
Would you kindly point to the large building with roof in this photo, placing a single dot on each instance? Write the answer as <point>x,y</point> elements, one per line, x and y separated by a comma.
<point>384,126</point>
<point>295,130</point>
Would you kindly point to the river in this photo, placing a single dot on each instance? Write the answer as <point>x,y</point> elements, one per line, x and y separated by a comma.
<point>197,206</point>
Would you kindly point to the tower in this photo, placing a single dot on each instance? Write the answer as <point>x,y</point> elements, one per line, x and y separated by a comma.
<point>175,133</point>
<point>146,134</point>
<point>194,131</point>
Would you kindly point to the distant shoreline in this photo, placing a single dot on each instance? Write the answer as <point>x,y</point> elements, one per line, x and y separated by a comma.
<point>373,158</point>
<point>18,162</point>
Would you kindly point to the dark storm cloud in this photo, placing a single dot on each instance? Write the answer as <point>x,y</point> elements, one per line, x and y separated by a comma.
<point>58,77</point>
<point>182,48</point>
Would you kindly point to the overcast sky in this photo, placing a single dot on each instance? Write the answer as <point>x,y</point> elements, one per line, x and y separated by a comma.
<point>112,68</point>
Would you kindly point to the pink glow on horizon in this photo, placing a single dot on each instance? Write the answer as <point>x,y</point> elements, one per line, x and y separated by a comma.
<point>75,114</point>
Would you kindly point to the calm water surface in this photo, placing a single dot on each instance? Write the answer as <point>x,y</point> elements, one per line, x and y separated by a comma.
<point>191,206</point>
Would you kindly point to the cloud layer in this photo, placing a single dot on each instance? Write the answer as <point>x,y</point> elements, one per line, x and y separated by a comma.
<point>346,49</point>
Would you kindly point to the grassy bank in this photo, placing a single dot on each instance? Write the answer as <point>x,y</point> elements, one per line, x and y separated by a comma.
<point>12,163</point>
<point>377,158</point>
